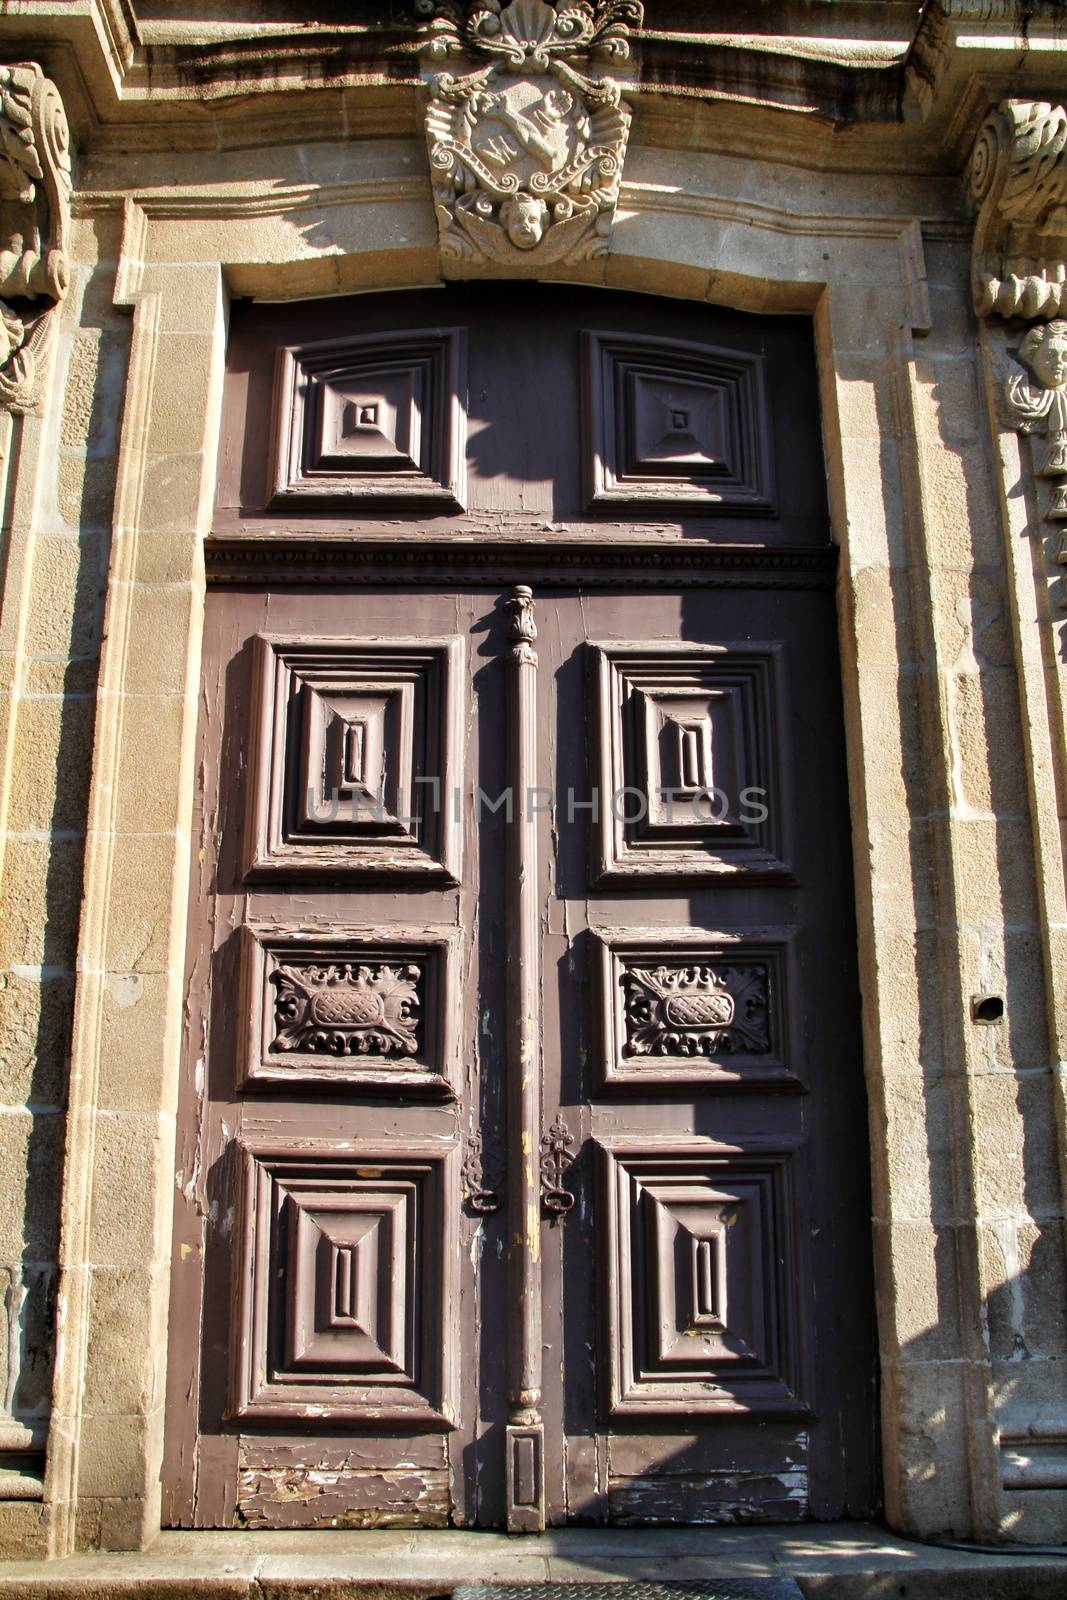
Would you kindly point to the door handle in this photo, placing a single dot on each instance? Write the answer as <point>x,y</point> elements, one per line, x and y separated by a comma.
<point>557,1158</point>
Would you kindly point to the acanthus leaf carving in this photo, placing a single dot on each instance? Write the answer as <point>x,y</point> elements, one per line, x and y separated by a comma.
<point>526,150</point>
<point>694,1010</point>
<point>34,223</point>
<point>347,1009</point>
<point>1018,177</point>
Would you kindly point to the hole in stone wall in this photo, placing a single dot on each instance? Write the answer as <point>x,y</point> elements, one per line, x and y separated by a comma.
<point>987,1008</point>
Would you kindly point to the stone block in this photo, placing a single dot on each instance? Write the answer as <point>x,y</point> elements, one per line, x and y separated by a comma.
<point>112,1457</point>
<point>23,1530</point>
<point>124,1369</point>
<point>162,619</point>
<point>51,765</point>
<point>31,1150</point>
<point>35,1023</point>
<point>175,493</point>
<point>917,1292</point>
<point>134,1022</point>
<point>132,1161</point>
<point>1016,1160</point>
<point>174,557</point>
<point>79,390</point>
<point>927,1488</point>
<point>142,888</point>
<point>66,595</point>
<point>190,297</point>
<point>1023,1270</point>
<point>948,404</point>
<point>184,379</point>
<point>85,491</point>
<point>960,508</point>
<point>42,896</point>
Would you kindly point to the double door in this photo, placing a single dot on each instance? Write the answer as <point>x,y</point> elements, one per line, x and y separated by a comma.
<point>522,1158</point>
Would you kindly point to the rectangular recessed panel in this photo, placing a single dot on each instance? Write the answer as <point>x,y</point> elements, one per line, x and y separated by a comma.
<point>703,1283</point>
<point>355,1007</point>
<point>376,420</point>
<point>676,426</point>
<point>355,750</point>
<point>690,768</point>
<point>693,1007</point>
<point>345,1273</point>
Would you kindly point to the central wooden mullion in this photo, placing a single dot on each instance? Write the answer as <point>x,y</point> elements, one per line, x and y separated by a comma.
<point>525,1428</point>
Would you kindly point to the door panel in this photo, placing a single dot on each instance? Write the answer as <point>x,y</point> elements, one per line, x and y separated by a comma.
<point>522,1157</point>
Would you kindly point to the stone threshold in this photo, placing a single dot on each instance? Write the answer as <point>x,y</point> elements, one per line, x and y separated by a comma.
<point>836,1561</point>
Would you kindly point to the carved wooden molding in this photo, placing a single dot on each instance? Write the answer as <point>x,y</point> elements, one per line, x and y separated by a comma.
<point>1018,177</point>
<point>34,223</point>
<point>351,1007</point>
<point>346,1281</point>
<point>687,1006</point>
<point>526,150</point>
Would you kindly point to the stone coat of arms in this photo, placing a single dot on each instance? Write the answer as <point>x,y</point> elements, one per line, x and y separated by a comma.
<point>526,151</point>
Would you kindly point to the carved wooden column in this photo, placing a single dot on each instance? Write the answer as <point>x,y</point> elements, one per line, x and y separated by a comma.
<point>525,1431</point>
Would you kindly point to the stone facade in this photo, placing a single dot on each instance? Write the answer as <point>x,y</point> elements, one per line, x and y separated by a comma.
<point>901,188</point>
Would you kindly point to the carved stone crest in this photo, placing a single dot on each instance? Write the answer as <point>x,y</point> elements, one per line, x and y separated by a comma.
<point>526,149</point>
<point>1035,402</point>
<point>695,1010</point>
<point>34,220</point>
<point>1019,180</point>
<point>347,1009</point>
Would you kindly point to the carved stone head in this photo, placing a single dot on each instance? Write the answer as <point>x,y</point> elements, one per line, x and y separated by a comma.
<point>524,218</point>
<point>1044,349</point>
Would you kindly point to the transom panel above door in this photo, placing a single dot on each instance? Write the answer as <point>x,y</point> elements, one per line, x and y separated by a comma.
<point>521,1166</point>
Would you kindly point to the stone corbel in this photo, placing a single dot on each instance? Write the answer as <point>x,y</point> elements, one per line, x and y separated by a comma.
<point>34,224</point>
<point>526,146</point>
<point>1019,181</point>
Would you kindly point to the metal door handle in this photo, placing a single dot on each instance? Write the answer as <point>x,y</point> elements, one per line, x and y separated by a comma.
<point>557,1158</point>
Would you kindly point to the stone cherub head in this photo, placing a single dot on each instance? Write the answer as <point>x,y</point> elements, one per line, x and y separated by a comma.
<point>524,218</point>
<point>1044,349</point>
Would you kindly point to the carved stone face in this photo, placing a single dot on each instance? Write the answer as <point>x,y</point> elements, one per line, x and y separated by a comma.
<point>524,218</point>
<point>1045,352</point>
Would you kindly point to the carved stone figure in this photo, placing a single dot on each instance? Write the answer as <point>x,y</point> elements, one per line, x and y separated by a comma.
<point>526,150</point>
<point>1019,179</point>
<point>1041,407</point>
<point>34,219</point>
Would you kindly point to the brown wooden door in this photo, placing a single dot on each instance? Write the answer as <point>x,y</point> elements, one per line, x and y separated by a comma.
<point>522,1155</point>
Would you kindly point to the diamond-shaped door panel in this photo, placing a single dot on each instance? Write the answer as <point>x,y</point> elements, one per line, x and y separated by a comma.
<point>703,1279</point>
<point>354,758</point>
<point>689,772</point>
<point>346,1260</point>
<point>376,420</point>
<point>692,1007</point>
<point>674,426</point>
<point>348,1007</point>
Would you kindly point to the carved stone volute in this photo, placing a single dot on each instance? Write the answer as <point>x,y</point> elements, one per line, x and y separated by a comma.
<point>526,149</point>
<point>34,223</point>
<point>1018,178</point>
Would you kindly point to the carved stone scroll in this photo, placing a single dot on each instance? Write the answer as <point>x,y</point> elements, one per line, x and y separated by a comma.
<point>525,1431</point>
<point>1019,180</point>
<point>34,223</point>
<point>526,150</point>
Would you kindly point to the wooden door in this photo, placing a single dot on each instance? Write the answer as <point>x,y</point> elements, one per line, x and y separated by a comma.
<point>522,1156</point>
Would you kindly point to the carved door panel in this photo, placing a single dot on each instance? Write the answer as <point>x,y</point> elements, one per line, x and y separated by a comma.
<point>521,1158</point>
<point>699,981</point>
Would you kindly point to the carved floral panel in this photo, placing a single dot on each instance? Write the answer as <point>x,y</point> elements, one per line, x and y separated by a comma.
<point>705,1285</point>
<point>345,1269</point>
<point>689,771</point>
<point>360,1007</point>
<point>690,1007</point>
<point>355,750</point>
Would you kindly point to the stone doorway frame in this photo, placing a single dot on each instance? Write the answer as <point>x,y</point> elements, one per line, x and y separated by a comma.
<point>863,280</point>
